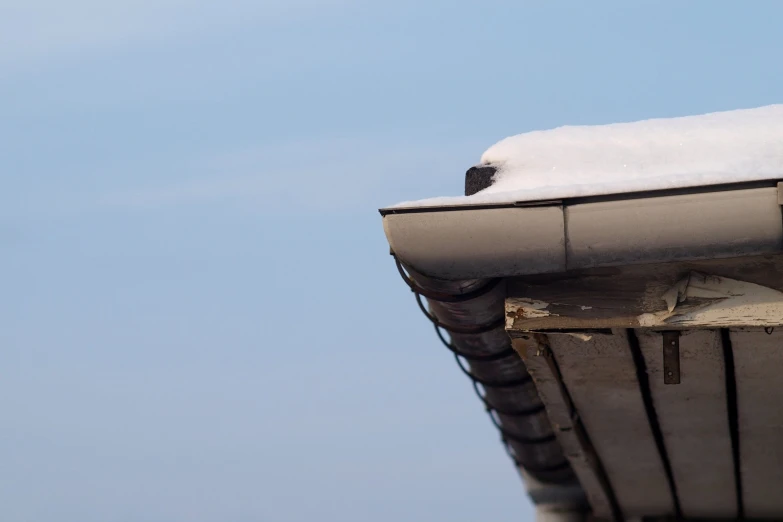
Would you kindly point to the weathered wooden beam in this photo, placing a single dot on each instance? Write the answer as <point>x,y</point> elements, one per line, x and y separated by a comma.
<point>694,421</point>
<point>601,378</point>
<point>758,358</point>
<point>711,294</point>
<point>567,426</point>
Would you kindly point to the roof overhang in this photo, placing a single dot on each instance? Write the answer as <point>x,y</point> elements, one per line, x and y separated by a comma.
<point>661,382</point>
<point>595,290</point>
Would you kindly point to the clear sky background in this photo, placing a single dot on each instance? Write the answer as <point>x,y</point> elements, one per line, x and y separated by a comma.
<point>199,318</point>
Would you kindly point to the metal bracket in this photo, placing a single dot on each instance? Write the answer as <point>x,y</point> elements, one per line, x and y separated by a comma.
<point>671,357</point>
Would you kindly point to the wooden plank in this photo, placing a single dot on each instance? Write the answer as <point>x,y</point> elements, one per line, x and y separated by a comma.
<point>715,293</point>
<point>600,376</point>
<point>758,360</point>
<point>694,421</point>
<point>558,407</point>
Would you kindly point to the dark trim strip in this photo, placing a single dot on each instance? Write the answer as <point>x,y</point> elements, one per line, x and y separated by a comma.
<point>521,412</point>
<point>521,379</point>
<point>460,329</point>
<point>441,296</point>
<point>482,357</point>
<point>733,412</point>
<point>652,417</point>
<point>492,383</point>
<point>563,464</point>
<point>530,441</point>
<point>458,208</point>
<point>534,468</point>
<point>723,187</point>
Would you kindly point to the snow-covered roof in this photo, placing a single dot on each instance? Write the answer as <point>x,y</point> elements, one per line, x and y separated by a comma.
<point>685,206</point>
<point>575,161</point>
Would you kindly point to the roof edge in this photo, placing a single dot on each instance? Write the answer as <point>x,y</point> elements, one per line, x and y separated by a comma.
<point>505,241</point>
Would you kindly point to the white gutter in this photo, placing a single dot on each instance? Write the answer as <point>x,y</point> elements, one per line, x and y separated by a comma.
<point>457,243</point>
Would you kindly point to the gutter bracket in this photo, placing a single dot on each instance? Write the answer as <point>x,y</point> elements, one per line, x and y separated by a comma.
<point>671,357</point>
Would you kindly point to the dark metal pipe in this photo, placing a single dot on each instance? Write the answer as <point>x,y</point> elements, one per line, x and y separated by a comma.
<point>472,312</point>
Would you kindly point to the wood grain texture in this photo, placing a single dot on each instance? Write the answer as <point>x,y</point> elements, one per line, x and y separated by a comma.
<point>694,421</point>
<point>600,376</point>
<point>758,359</point>
<point>559,409</point>
<point>640,296</point>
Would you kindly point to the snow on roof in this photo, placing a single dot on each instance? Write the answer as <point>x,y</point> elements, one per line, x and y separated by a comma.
<point>573,161</point>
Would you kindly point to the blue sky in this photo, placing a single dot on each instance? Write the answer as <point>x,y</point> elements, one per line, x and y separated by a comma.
<point>201,321</point>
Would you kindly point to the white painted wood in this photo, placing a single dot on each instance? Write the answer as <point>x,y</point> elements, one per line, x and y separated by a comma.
<point>634,299</point>
<point>694,421</point>
<point>601,379</point>
<point>709,301</point>
<point>556,403</point>
<point>758,361</point>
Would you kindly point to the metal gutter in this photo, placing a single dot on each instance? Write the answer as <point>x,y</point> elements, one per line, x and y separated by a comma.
<point>459,243</point>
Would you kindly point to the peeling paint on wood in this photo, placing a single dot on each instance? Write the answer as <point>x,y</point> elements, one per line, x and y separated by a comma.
<point>732,293</point>
<point>712,301</point>
<point>570,311</point>
<point>521,308</point>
